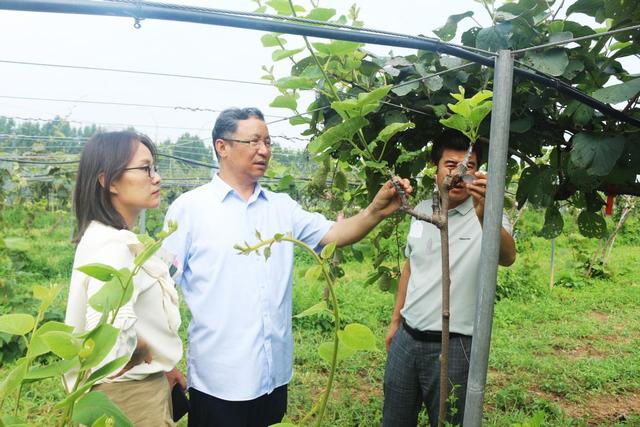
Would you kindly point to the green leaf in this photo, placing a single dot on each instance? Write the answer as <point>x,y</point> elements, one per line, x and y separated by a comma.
<point>494,38</point>
<point>93,406</point>
<point>341,132</point>
<point>282,7</point>
<point>104,337</point>
<point>13,379</point>
<point>574,68</point>
<point>521,125</point>
<point>284,53</point>
<point>17,324</point>
<point>337,47</point>
<point>103,421</point>
<point>51,370</point>
<point>327,251</point>
<point>272,39</point>
<point>62,343</point>
<point>285,101</point>
<point>448,31</point>
<point>11,421</point>
<point>321,14</point>
<point>457,122</point>
<point>390,130</point>
<point>597,153</point>
<point>325,350</point>
<point>553,223</point>
<point>362,105</point>
<point>98,271</point>
<point>111,296</point>
<point>295,82</point>
<point>405,88</point>
<point>552,62</point>
<point>38,346</point>
<point>314,309</point>
<point>107,369</point>
<point>560,36</point>
<point>618,93</point>
<point>340,181</point>
<point>358,337</point>
<point>16,244</point>
<point>313,274</point>
<point>146,253</point>
<point>592,224</point>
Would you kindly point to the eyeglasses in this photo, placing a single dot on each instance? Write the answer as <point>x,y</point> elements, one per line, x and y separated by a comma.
<point>254,143</point>
<point>148,169</point>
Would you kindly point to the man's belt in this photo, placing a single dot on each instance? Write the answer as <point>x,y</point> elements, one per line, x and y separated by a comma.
<point>427,336</point>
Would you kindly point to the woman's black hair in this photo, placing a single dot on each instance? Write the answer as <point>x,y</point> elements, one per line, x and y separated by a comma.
<point>105,154</point>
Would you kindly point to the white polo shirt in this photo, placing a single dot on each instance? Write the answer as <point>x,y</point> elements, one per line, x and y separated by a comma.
<point>423,304</point>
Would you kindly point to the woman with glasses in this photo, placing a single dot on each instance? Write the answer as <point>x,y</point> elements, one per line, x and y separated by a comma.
<point>117,179</point>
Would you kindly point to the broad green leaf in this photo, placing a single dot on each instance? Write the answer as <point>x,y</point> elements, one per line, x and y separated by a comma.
<point>434,83</point>
<point>327,251</point>
<point>479,112</point>
<point>38,346</point>
<point>107,368</point>
<point>313,274</point>
<point>521,125</point>
<point>341,132</point>
<point>457,122</point>
<point>406,88</point>
<point>392,129</point>
<point>282,7</point>
<point>553,223</point>
<point>314,309</point>
<point>340,181</point>
<point>295,82</point>
<point>337,47</point>
<point>448,31</point>
<point>51,370</point>
<point>98,271</point>
<point>596,153</point>
<point>560,36</point>
<point>272,39</point>
<point>494,38</point>
<point>11,421</point>
<point>104,421</point>
<point>358,337</point>
<point>285,53</point>
<point>17,244</point>
<point>44,293</point>
<point>285,101</point>
<point>553,62</point>
<point>95,405</point>
<point>618,93</point>
<point>592,224</point>
<point>573,69</point>
<point>480,97</point>
<point>13,379</point>
<point>104,337</point>
<point>321,14</point>
<point>17,324</point>
<point>325,350</point>
<point>62,343</point>
<point>111,296</point>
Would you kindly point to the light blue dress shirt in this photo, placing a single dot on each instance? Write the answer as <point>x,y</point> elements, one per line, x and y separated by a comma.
<point>240,340</point>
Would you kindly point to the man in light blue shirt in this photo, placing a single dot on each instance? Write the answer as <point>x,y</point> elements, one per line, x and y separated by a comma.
<point>240,353</point>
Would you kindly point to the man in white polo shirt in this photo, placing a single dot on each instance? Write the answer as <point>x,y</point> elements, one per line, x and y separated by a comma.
<point>240,353</point>
<point>412,373</point>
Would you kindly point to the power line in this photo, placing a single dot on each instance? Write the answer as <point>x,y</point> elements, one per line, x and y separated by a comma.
<point>120,104</point>
<point>120,70</point>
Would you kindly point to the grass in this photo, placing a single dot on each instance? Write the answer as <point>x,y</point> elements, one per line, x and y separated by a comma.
<point>571,353</point>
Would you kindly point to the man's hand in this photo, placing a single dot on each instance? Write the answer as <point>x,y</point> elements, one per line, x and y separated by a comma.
<point>478,190</point>
<point>387,200</point>
<point>393,328</point>
<point>174,377</point>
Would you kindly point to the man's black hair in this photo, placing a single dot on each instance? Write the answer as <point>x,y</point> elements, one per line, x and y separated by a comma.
<point>227,122</point>
<point>452,140</point>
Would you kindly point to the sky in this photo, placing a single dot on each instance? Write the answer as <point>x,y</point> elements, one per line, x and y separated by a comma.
<point>174,48</point>
<point>167,47</point>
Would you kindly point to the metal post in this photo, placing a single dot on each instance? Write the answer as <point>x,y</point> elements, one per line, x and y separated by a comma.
<point>492,223</point>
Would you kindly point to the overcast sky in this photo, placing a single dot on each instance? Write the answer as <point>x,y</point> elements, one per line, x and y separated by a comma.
<point>167,47</point>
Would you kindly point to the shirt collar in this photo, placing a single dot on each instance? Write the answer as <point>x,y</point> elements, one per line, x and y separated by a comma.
<point>464,207</point>
<point>221,190</point>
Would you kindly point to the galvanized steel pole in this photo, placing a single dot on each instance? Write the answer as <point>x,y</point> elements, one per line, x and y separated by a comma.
<point>492,223</point>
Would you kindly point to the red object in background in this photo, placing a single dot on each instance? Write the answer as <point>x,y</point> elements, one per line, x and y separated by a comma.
<point>609,209</point>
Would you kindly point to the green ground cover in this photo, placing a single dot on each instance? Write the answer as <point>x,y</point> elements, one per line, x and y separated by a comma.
<point>570,354</point>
